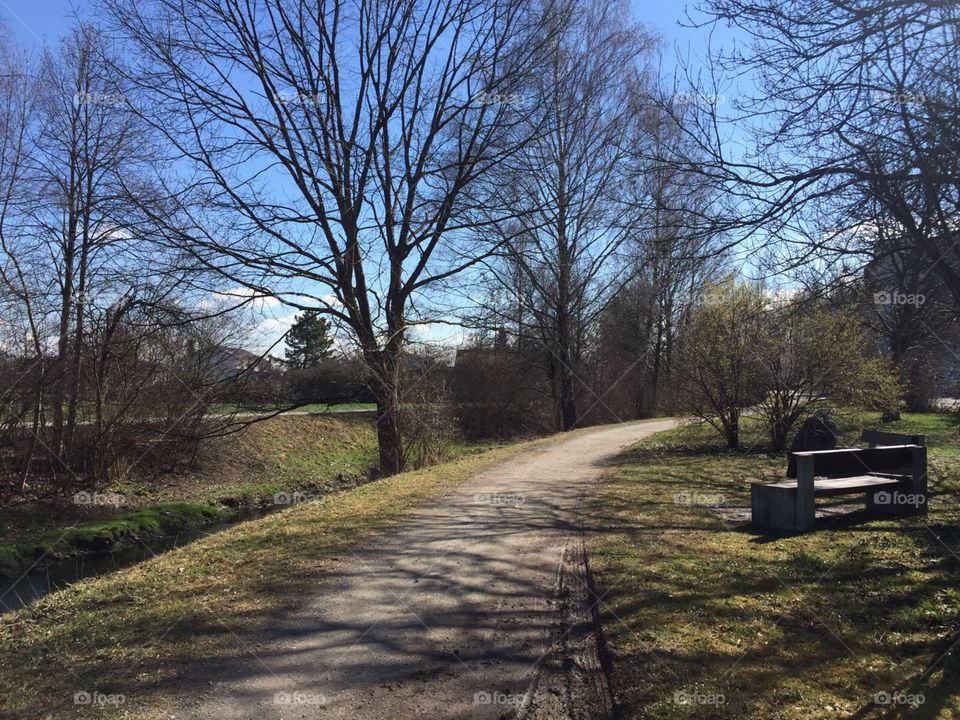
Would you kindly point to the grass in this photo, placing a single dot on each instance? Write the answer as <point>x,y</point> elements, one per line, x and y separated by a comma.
<point>105,535</point>
<point>289,453</point>
<point>697,608</point>
<point>314,455</point>
<point>138,630</point>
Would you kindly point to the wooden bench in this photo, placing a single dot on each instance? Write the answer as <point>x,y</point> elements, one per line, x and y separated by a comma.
<point>893,478</point>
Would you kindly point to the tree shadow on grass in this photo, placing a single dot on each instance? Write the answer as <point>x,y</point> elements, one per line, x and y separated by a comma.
<point>827,603</point>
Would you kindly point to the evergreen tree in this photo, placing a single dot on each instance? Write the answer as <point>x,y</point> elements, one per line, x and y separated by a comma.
<point>309,342</point>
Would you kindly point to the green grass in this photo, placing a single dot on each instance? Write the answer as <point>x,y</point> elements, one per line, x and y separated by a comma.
<point>942,430</point>
<point>315,456</point>
<point>105,535</point>
<point>35,552</point>
<point>696,605</point>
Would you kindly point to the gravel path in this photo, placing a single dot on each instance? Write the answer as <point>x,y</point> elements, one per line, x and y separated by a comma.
<point>473,607</point>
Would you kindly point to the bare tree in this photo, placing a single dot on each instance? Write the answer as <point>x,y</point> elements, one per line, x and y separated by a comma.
<point>568,187</point>
<point>912,314</point>
<point>93,299</point>
<point>20,330</point>
<point>337,144</point>
<point>87,147</point>
<point>855,123</point>
<point>672,253</point>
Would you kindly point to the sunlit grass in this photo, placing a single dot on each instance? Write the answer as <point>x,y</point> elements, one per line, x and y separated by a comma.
<point>814,626</point>
<point>137,630</point>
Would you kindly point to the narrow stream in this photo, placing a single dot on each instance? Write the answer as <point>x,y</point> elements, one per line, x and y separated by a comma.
<point>17,592</point>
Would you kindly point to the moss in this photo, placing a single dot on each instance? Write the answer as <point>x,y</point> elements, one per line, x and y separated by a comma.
<point>100,536</point>
<point>11,561</point>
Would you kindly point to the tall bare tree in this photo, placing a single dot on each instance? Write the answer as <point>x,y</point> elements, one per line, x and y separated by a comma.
<point>568,186</point>
<point>673,252</point>
<point>854,111</point>
<point>88,147</point>
<point>337,142</point>
<point>96,307</point>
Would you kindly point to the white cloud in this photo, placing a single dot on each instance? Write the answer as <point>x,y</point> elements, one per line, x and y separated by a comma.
<point>256,301</point>
<point>437,334</point>
<point>266,334</point>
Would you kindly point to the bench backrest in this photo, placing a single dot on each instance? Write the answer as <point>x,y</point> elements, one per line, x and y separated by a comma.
<point>880,438</point>
<point>850,462</point>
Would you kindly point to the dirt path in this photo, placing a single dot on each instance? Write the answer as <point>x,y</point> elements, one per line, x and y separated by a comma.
<point>474,607</point>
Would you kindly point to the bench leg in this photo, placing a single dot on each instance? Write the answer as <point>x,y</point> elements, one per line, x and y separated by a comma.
<point>806,506</point>
<point>774,508</point>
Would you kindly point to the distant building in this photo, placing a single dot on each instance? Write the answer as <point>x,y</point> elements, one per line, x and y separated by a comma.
<point>228,362</point>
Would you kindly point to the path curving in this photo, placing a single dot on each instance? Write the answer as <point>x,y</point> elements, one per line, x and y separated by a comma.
<point>473,607</point>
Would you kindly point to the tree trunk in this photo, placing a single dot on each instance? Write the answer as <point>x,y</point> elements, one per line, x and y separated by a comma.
<point>778,435</point>
<point>389,438</point>
<point>566,385</point>
<point>732,430</point>
<point>386,389</point>
<point>733,437</point>
<point>568,399</point>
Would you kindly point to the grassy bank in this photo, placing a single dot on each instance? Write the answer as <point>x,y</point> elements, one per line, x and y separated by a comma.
<point>275,459</point>
<point>284,455</point>
<point>706,618</point>
<point>106,535</point>
<point>135,632</point>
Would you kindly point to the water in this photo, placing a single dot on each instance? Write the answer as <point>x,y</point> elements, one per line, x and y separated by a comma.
<point>15,593</point>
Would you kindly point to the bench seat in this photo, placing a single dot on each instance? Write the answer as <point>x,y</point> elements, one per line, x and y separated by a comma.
<point>847,485</point>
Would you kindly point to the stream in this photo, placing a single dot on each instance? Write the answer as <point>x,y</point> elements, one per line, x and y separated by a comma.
<point>17,592</point>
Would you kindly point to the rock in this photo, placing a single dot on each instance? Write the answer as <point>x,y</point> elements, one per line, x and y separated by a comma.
<point>817,432</point>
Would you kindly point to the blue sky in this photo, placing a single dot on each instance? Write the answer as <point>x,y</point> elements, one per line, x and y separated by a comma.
<point>36,23</point>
